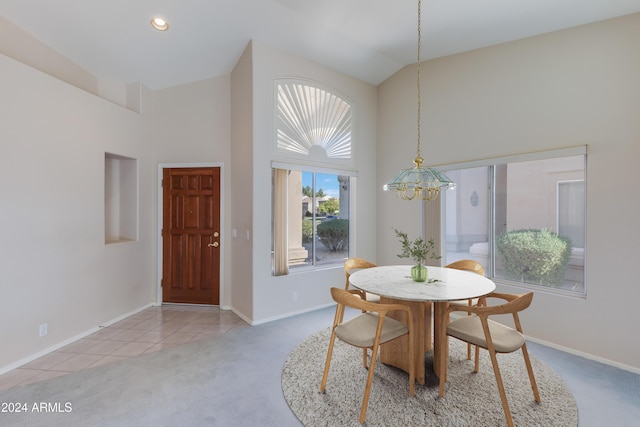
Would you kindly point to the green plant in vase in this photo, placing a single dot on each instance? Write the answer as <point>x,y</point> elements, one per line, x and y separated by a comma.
<point>418,250</point>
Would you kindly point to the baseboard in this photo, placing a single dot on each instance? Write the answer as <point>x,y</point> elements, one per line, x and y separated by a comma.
<point>68,341</point>
<point>291,314</point>
<point>588,356</point>
<point>239,314</point>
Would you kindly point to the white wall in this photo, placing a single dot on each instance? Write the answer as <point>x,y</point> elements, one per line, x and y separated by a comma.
<point>191,125</point>
<point>272,296</point>
<point>54,265</point>
<point>573,87</point>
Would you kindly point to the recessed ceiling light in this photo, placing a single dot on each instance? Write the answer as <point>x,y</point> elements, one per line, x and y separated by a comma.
<point>159,24</point>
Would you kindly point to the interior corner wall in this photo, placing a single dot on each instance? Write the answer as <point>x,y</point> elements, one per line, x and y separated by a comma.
<point>55,265</point>
<point>397,139</point>
<point>273,295</point>
<point>568,88</point>
<point>242,190</point>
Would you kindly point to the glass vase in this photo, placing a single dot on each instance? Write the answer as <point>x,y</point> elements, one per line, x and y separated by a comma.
<point>419,273</point>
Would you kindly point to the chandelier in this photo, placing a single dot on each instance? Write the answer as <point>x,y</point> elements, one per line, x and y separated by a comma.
<point>419,182</point>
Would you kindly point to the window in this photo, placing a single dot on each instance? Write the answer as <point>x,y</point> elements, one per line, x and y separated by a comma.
<point>313,127</point>
<point>311,219</point>
<point>522,218</point>
<point>312,124</point>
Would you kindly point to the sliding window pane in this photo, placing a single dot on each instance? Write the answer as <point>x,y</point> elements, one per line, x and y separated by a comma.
<point>530,206</point>
<point>467,216</point>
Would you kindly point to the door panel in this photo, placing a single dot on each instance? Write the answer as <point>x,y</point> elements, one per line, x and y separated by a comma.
<point>191,236</point>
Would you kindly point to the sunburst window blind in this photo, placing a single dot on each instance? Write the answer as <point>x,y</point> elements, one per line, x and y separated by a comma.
<point>313,122</point>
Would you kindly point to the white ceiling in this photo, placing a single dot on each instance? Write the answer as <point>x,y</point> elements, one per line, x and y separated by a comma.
<point>368,39</point>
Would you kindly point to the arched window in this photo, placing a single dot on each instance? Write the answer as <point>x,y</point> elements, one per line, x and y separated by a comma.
<point>312,123</point>
<point>312,170</point>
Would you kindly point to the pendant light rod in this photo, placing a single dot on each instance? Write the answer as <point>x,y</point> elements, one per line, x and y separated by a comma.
<point>418,182</point>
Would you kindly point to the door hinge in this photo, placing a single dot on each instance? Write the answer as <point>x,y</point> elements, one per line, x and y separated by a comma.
<point>162,283</point>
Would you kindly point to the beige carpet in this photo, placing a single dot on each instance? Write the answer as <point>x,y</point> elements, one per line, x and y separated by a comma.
<point>471,399</point>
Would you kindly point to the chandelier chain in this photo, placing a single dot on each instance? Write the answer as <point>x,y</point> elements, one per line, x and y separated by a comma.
<point>418,153</point>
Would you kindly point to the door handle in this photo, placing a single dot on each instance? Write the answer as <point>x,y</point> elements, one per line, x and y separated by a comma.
<point>214,244</point>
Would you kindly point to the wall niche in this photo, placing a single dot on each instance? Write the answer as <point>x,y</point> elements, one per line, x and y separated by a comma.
<point>120,198</point>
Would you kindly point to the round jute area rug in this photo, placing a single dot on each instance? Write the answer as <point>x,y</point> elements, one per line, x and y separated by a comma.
<point>470,399</point>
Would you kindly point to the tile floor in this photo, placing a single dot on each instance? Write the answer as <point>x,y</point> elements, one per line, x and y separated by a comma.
<point>153,329</point>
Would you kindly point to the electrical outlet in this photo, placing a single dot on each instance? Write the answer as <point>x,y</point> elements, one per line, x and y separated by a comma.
<point>294,296</point>
<point>43,329</point>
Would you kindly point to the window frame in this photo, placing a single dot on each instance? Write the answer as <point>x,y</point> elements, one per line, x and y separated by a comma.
<point>491,164</point>
<point>351,197</point>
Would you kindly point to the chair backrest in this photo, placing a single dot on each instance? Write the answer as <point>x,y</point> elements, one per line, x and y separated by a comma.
<point>468,265</point>
<point>355,264</point>
<point>355,299</point>
<point>514,304</point>
<point>466,328</point>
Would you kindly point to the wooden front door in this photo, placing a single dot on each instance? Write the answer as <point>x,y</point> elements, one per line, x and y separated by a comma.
<point>191,235</point>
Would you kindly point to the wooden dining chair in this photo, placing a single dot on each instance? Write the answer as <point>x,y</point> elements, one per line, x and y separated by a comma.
<point>367,331</point>
<point>481,331</point>
<point>475,267</point>
<point>352,265</point>
<point>467,264</point>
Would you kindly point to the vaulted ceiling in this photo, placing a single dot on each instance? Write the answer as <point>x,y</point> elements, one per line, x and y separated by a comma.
<point>367,39</point>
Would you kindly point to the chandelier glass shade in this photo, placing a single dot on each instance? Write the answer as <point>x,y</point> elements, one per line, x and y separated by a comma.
<point>419,182</point>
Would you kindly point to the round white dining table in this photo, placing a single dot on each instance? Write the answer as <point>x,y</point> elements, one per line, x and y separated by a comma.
<point>394,284</point>
<point>443,284</point>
